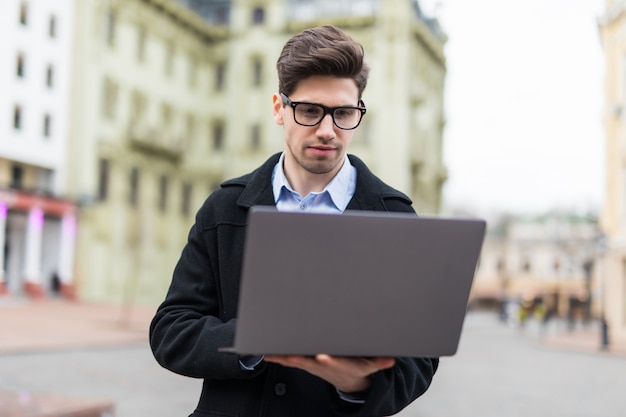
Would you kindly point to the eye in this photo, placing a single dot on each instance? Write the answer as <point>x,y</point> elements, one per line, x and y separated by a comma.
<point>309,110</point>
<point>344,112</point>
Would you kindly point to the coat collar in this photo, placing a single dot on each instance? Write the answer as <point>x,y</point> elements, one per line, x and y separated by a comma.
<point>370,193</point>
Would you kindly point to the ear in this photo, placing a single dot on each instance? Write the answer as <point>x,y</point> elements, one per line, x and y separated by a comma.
<point>277,109</point>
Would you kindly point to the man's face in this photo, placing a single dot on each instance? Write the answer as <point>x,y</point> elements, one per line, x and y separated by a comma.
<point>320,149</point>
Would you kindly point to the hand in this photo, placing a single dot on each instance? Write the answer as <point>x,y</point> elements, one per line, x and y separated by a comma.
<point>347,374</point>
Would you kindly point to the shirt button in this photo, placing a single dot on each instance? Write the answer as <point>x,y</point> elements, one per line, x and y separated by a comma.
<point>303,206</point>
<point>280,389</point>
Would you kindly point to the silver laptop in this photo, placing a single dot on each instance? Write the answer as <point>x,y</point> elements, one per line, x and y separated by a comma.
<point>356,284</point>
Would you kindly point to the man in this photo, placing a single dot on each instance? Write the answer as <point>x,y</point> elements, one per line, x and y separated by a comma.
<point>322,75</point>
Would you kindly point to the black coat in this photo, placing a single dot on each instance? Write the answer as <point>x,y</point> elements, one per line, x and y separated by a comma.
<point>198,316</point>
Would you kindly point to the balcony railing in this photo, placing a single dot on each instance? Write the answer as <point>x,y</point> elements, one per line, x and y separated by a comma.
<point>153,141</point>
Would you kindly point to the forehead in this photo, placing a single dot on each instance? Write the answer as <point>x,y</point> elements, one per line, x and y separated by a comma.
<point>332,91</point>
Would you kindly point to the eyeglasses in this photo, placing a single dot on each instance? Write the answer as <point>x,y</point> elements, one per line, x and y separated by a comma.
<point>311,114</point>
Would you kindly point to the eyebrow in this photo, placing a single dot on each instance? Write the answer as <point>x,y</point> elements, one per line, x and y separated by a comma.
<point>321,104</point>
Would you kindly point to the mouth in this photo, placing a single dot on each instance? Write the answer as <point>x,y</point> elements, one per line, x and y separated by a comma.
<point>321,150</point>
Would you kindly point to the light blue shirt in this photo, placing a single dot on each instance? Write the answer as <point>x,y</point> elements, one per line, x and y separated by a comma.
<point>334,198</point>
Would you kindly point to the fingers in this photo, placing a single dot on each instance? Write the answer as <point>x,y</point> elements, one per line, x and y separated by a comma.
<point>366,365</point>
<point>347,374</point>
<point>385,363</point>
<point>369,365</point>
<point>293,361</point>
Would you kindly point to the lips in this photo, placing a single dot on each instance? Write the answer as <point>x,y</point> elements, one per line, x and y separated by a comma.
<point>321,150</point>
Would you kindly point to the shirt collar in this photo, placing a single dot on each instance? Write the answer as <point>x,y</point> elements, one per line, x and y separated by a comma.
<point>340,188</point>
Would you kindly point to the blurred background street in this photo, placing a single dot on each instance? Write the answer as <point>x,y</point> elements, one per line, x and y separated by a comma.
<point>101,353</point>
<point>119,117</point>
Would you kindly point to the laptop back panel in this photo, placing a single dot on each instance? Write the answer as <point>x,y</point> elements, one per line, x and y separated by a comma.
<point>357,284</point>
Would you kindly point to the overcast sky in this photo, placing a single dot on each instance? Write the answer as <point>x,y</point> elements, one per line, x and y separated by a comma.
<point>524,104</point>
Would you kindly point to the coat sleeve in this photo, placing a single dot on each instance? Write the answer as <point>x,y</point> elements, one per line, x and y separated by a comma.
<point>392,390</point>
<point>196,318</point>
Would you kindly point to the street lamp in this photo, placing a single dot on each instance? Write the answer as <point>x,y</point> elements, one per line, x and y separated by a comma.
<point>604,326</point>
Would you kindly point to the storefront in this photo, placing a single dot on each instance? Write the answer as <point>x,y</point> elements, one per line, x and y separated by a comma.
<point>38,236</point>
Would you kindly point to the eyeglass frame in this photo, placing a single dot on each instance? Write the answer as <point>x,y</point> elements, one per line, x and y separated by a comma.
<point>327,110</point>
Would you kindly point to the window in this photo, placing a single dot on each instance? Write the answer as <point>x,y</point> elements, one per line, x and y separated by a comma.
<point>623,193</point>
<point>258,16</point>
<point>109,98</point>
<point>220,77</point>
<point>190,122</point>
<point>162,193</point>
<point>104,167</point>
<point>185,206</point>
<point>17,177</point>
<point>169,58</point>
<point>255,136</point>
<point>44,180</point>
<point>23,13</point>
<point>257,72</point>
<point>47,121</point>
<point>50,76</point>
<point>19,67</point>
<point>218,135</point>
<point>138,107</point>
<point>621,104</point>
<point>141,43</point>
<point>52,27</point>
<point>623,285</point>
<point>500,265</point>
<point>133,197</point>
<point>110,27</point>
<point>192,71</point>
<point>167,117</point>
<point>221,15</point>
<point>17,117</point>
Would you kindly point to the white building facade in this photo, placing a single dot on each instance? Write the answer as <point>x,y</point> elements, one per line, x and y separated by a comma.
<point>37,224</point>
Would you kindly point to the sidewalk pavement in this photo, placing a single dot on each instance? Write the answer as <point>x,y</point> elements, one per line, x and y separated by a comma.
<point>33,326</point>
<point>30,326</point>
<point>584,338</point>
<point>54,324</point>
<point>48,405</point>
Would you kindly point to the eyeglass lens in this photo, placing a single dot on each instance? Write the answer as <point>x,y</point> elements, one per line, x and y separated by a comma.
<point>311,114</point>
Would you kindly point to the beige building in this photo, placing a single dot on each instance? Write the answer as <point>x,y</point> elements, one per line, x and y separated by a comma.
<point>549,259</point>
<point>613,33</point>
<point>169,102</point>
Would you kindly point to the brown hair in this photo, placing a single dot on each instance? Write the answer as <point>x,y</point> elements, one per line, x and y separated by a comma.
<point>323,50</point>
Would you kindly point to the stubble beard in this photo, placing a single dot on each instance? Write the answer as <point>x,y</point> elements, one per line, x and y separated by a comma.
<point>319,165</point>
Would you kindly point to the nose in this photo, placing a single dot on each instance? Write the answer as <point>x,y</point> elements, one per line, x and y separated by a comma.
<point>326,128</point>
